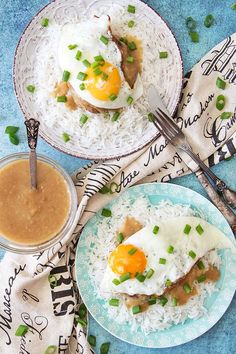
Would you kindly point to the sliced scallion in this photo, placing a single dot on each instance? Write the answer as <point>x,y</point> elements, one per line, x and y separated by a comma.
<point>52,280</point>
<point>65,75</point>
<point>163,300</point>
<point>192,254</point>
<point>220,102</point>
<point>130,100</point>
<point>170,249</point>
<point>82,86</point>
<point>10,129</point>
<point>200,265</point>
<point>21,330</point>
<point>14,139</point>
<point>104,349</point>
<point>113,187</point>
<point>190,23</point>
<point>62,99</point>
<point>115,116</point>
<point>104,76</point>
<point>120,237</point>
<point>131,24</point>
<point>174,301</point>
<point>82,311</point>
<point>104,40</point>
<point>132,46</point>
<point>51,349</point>
<point>162,261</point>
<point>80,321</point>
<point>151,117</point>
<point>209,21</point>
<point>95,64</point>
<point>150,273</point>
<point>194,36</point>
<point>44,22</point>
<point>86,63</point>
<point>72,46</point>
<point>78,55</point>
<point>233,6</point>
<point>136,309</point>
<point>124,277</point>
<point>83,119</point>
<point>187,288</point>
<point>220,83</point>
<point>81,76</point>
<point>66,137</point>
<point>130,59</point>
<point>30,88</point>
<point>124,40</point>
<point>104,190</point>
<point>140,277</point>
<point>97,71</point>
<point>168,283</point>
<point>92,340</point>
<point>163,55</point>
<point>155,230</point>
<point>199,229</point>
<point>201,278</point>
<point>225,115</point>
<point>132,251</point>
<point>116,281</point>
<point>98,58</point>
<point>112,97</point>
<point>131,9</point>
<point>106,212</point>
<point>187,229</point>
<point>152,300</point>
<point>114,302</point>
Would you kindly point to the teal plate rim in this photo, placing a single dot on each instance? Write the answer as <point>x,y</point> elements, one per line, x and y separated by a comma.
<point>216,304</point>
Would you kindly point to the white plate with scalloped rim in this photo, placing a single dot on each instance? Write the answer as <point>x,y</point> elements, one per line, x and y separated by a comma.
<point>64,11</point>
<point>216,304</point>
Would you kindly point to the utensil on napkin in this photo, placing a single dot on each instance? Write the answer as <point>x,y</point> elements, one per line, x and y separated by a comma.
<point>175,136</point>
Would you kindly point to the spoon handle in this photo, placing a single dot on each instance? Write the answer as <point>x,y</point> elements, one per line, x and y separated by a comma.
<point>32,126</point>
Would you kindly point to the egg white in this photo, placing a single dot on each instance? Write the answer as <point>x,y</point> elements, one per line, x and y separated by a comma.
<point>87,37</point>
<point>155,247</point>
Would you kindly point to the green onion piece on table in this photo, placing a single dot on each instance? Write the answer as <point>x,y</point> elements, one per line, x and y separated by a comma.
<point>80,321</point>
<point>136,309</point>
<point>187,288</point>
<point>155,230</point>
<point>199,229</point>
<point>104,40</point>
<point>115,116</point>
<point>225,115</point>
<point>162,261</point>
<point>83,119</point>
<point>14,139</point>
<point>194,36</point>
<point>233,6</point>
<point>163,55</point>
<point>113,187</point>
<point>209,21</point>
<point>10,129</point>
<point>131,9</point>
<point>132,251</point>
<point>192,254</point>
<point>72,46</point>
<point>82,311</point>
<point>170,249</point>
<point>52,280</point>
<point>30,88</point>
<point>220,102</point>
<point>187,229</point>
<point>104,190</point>
<point>140,277</point>
<point>51,349</point>
<point>150,273</point>
<point>116,281</point>
<point>201,278</point>
<point>220,83</point>
<point>92,340</point>
<point>104,349</point>
<point>65,137</point>
<point>190,23</point>
<point>106,212</point>
<point>65,75</point>
<point>131,24</point>
<point>124,277</point>
<point>120,237</point>
<point>163,300</point>
<point>44,22</point>
<point>114,302</point>
<point>78,55</point>
<point>21,330</point>
<point>200,265</point>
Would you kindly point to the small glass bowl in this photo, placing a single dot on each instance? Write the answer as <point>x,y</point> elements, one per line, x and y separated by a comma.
<point>29,249</point>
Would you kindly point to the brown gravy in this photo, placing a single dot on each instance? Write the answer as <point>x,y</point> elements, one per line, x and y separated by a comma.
<point>29,216</point>
<point>130,226</point>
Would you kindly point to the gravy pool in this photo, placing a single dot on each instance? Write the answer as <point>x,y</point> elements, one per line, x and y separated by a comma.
<point>29,216</point>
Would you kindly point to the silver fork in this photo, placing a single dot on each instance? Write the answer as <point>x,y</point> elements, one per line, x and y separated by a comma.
<point>176,137</point>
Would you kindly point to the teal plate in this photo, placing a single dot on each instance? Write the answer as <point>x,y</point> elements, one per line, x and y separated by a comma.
<point>216,304</point>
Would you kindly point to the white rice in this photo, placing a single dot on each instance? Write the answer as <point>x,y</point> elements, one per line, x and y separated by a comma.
<point>156,317</point>
<point>101,132</point>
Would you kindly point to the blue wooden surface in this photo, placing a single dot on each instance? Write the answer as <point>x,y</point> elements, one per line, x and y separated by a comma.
<point>15,15</point>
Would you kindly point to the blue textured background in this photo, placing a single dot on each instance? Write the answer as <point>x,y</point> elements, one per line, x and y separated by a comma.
<point>14,15</point>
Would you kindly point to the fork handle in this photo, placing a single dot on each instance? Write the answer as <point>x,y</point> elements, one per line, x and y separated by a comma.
<point>228,194</point>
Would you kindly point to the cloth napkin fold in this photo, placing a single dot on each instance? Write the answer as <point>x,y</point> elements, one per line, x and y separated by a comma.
<point>51,313</point>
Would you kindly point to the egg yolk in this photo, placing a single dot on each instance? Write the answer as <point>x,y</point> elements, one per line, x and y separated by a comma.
<point>122,262</point>
<point>105,84</point>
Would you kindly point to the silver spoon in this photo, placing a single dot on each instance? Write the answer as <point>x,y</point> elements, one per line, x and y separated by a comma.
<point>32,127</point>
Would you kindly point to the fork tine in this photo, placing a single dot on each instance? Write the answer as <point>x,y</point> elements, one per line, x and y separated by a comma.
<point>170,121</point>
<point>157,125</point>
<point>162,128</point>
<point>166,124</point>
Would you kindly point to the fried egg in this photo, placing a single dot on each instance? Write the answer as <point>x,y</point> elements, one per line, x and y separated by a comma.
<point>159,253</point>
<point>103,82</point>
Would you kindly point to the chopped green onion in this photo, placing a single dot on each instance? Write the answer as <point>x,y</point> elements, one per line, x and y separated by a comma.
<point>10,129</point>
<point>66,137</point>
<point>116,281</point>
<point>92,340</point>
<point>132,46</point>
<point>98,58</point>
<point>152,301</point>
<point>163,300</point>
<point>44,22</point>
<point>80,321</point>
<point>163,55</point>
<point>187,229</point>
<point>131,9</point>
<point>174,301</point>
<point>209,20</point>
<point>95,64</point>
<point>52,349</point>
<point>132,251</point>
<point>162,261</point>
<point>66,75</point>
<point>114,302</point>
<point>97,71</point>
<point>62,99</point>
<point>190,23</point>
<point>104,349</point>
<point>131,24</point>
<point>187,288</point>
<point>52,280</point>
<point>233,6</point>
<point>192,254</point>
<point>200,265</point>
<point>199,229</point>
<point>72,46</point>
<point>21,330</point>
<point>194,36</point>
<point>112,97</point>
<point>104,39</point>
<point>225,115</point>
<point>104,190</point>
<point>170,249</point>
<point>124,40</point>
<point>115,116</point>
<point>82,311</point>
<point>106,212</point>
<point>130,60</point>
<point>78,55</point>
<point>140,277</point>
<point>220,83</point>
<point>155,230</point>
<point>30,88</point>
<point>201,278</point>
<point>151,117</point>
<point>86,63</point>
<point>14,139</point>
<point>136,309</point>
<point>113,187</point>
<point>124,277</point>
<point>220,102</point>
<point>83,119</point>
<point>81,76</point>
<point>82,86</point>
<point>150,273</point>
<point>168,283</point>
<point>130,100</point>
<point>229,158</point>
<point>104,76</point>
<point>120,237</point>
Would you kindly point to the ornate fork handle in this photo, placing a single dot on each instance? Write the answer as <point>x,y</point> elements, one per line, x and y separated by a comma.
<point>228,194</point>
